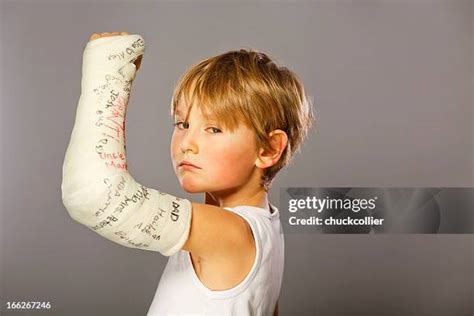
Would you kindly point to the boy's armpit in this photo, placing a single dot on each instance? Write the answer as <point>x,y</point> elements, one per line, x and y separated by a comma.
<point>217,233</point>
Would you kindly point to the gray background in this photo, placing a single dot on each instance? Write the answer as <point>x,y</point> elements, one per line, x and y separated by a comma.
<point>393,90</point>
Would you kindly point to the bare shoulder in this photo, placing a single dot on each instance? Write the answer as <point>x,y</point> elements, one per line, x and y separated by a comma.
<point>223,244</point>
<point>218,234</point>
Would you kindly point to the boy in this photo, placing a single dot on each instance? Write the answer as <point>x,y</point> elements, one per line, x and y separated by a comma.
<point>238,120</point>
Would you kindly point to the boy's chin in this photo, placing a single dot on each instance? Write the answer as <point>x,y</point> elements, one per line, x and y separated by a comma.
<point>192,188</point>
<point>197,188</point>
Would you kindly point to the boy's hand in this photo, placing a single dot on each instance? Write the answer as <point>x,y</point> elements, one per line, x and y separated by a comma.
<point>107,34</point>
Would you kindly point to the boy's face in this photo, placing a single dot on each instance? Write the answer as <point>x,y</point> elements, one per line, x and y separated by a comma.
<point>225,160</point>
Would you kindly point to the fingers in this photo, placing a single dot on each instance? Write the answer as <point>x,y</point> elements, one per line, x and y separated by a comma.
<point>106,34</point>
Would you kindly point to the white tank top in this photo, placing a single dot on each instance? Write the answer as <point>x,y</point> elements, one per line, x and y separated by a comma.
<point>180,292</point>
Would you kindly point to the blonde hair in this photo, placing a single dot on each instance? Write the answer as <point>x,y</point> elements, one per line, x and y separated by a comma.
<point>247,86</point>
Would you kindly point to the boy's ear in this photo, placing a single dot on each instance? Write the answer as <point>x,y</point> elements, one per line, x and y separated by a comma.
<point>278,142</point>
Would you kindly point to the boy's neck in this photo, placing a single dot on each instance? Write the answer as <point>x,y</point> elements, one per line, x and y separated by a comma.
<point>257,199</point>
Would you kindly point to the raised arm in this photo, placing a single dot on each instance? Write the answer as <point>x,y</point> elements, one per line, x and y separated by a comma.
<point>97,189</point>
<point>99,192</point>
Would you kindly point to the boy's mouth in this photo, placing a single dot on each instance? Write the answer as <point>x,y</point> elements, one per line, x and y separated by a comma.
<point>187,163</point>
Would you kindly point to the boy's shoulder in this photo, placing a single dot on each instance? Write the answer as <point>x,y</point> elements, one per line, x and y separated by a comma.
<point>269,211</point>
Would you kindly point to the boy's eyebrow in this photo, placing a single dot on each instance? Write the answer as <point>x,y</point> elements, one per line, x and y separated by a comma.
<point>178,113</point>
<point>210,117</point>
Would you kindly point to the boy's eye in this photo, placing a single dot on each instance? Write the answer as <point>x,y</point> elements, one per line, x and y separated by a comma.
<point>185,124</point>
<point>215,130</point>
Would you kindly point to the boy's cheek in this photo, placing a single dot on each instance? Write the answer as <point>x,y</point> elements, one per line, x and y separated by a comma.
<point>174,147</point>
<point>228,167</point>
<point>224,156</point>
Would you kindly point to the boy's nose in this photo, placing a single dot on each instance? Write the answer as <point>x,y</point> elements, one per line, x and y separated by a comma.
<point>188,143</point>
<point>185,149</point>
